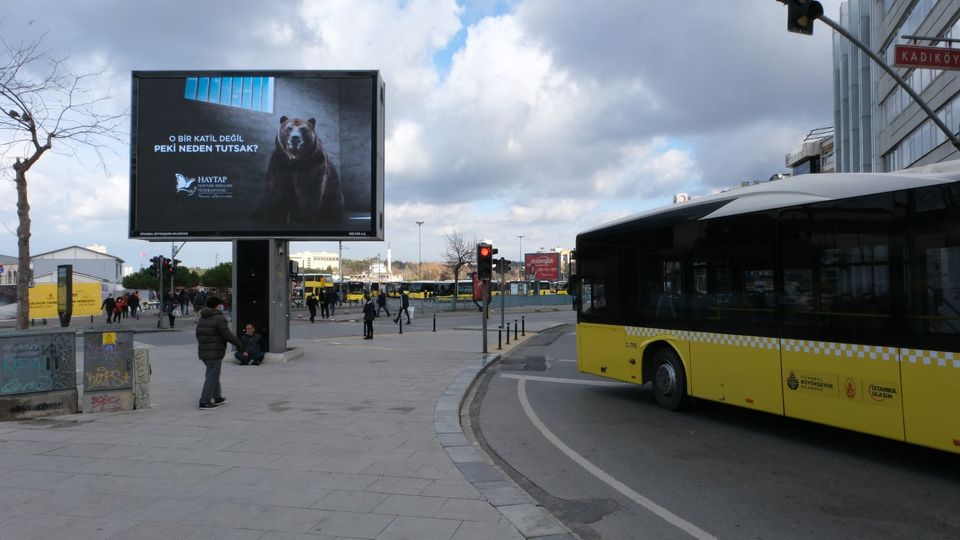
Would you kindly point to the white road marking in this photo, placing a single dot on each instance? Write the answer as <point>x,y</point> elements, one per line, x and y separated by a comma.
<point>563,360</point>
<point>572,334</point>
<point>565,381</point>
<point>660,511</point>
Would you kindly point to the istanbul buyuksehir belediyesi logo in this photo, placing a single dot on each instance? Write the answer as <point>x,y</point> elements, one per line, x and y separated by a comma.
<point>185,185</point>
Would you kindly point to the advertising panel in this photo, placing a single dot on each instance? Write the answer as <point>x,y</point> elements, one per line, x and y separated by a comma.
<point>43,300</point>
<point>267,154</point>
<point>544,266</point>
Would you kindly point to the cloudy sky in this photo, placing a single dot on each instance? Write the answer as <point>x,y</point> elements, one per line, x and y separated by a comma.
<point>539,118</point>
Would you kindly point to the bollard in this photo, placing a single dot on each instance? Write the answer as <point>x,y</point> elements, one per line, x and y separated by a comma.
<point>91,319</point>
<point>508,333</point>
<point>499,339</point>
<point>523,325</point>
<point>400,322</point>
<point>434,322</point>
<point>515,330</point>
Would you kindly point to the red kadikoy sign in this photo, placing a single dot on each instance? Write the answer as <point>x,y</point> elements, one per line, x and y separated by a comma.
<point>542,266</point>
<point>926,57</point>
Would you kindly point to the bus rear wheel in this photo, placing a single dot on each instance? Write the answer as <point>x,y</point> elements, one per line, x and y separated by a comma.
<point>669,380</point>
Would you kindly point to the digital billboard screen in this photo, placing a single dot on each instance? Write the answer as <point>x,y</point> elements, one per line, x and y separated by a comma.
<point>265,154</point>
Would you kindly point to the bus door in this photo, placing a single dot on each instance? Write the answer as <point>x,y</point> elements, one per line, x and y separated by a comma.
<point>842,282</point>
<point>737,360</point>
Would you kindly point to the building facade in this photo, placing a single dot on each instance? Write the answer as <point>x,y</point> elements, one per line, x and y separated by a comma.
<point>879,127</point>
<point>317,260</point>
<point>95,264</point>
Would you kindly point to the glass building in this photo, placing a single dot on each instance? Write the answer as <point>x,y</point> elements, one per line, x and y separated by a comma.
<point>878,125</point>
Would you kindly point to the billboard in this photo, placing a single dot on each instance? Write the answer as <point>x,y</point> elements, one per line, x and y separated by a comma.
<point>260,154</point>
<point>544,266</point>
<point>44,296</point>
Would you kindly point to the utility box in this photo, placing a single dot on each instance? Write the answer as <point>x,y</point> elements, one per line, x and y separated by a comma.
<point>37,374</point>
<point>108,371</point>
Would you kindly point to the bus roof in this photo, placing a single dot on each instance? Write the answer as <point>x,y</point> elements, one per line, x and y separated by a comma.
<point>797,190</point>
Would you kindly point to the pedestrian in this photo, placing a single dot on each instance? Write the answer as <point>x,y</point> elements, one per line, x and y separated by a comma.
<point>119,309</point>
<point>332,300</point>
<point>135,305</point>
<point>252,353</point>
<point>109,304</point>
<point>170,308</point>
<point>382,303</point>
<point>312,306</point>
<point>404,307</point>
<point>324,305</point>
<point>212,337</point>
<point>369,312</point>
<point>184,300</point>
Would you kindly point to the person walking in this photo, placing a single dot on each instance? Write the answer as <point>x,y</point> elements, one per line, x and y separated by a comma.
<point>324,305</point>
<point>135,305</point>
<point>369,313</point>
<point>312,306</point>
<point>109,304</point>
<point>252,354</point>
<point>382,303</point>
<point>212,337</point>
<point>404,307</point>
<point>332,300</point>
<point>170,308</point>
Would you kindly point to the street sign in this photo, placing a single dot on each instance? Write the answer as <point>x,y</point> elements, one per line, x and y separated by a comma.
<point>912,56</point>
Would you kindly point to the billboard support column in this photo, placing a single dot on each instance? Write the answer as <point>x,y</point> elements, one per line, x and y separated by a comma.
<point>279,296</point>
<point>261,290</point>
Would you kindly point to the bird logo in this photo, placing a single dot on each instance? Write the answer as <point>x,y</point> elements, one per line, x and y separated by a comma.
<point>185,185</point>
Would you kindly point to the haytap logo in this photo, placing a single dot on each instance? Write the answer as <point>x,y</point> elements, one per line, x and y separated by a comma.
<point>185,185</point>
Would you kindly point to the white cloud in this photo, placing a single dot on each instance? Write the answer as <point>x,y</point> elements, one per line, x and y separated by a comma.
<point>647,169</point>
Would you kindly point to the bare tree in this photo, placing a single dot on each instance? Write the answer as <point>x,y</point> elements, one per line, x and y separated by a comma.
<point>459,254</point>
<point>40,101</point>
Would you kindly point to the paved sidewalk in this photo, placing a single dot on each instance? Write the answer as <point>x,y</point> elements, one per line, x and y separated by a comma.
<point>356,439</point>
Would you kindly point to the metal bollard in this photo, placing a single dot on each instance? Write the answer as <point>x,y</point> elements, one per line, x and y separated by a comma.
<point>499,339</point>
<point>508,333</point>
<point>400,322</point>
<point>523,326</point>
<point>434,322</point>
<point>515,330</point>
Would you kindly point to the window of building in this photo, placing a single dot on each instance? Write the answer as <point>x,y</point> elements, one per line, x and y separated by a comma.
<point>252,93</point>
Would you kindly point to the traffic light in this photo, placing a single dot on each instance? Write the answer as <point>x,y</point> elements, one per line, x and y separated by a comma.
<point>155,267</point>
<point>801,14</point>
<point>167,267</point>
<point>504,266</point>
<point>485,260</point>
<point>174,265</point>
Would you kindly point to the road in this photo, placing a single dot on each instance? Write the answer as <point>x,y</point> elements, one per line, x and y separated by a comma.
<point>610,463</point>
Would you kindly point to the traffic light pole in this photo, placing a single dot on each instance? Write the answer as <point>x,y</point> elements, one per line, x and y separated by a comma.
<point>160,297</point>
<point>486,311</point>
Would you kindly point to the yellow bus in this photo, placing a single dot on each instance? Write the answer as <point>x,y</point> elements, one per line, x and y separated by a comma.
<point>832,298</point>
<point>355,290</point>
<point>422,289</point>
<point>314,283</point>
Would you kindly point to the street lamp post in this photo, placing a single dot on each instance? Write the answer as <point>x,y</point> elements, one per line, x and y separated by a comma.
<point>419,255</point>
<point>522,269</point>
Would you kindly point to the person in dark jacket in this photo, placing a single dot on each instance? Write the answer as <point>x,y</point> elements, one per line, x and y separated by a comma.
<point>332,301</point>
<point>252,354</point>
<point>212,337</point>
<point>382,303</point>
<point>109,304</point>
<point>312,306</point>
<point>369,313</point>
<point>404,307</point>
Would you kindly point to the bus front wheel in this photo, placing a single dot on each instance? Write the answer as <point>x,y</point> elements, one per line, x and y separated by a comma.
<point>669,380</point>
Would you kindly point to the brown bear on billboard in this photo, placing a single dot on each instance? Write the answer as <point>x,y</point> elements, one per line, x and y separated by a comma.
<point>302,187</point>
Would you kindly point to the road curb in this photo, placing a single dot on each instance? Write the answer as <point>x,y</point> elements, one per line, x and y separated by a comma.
<point>529,518</point>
